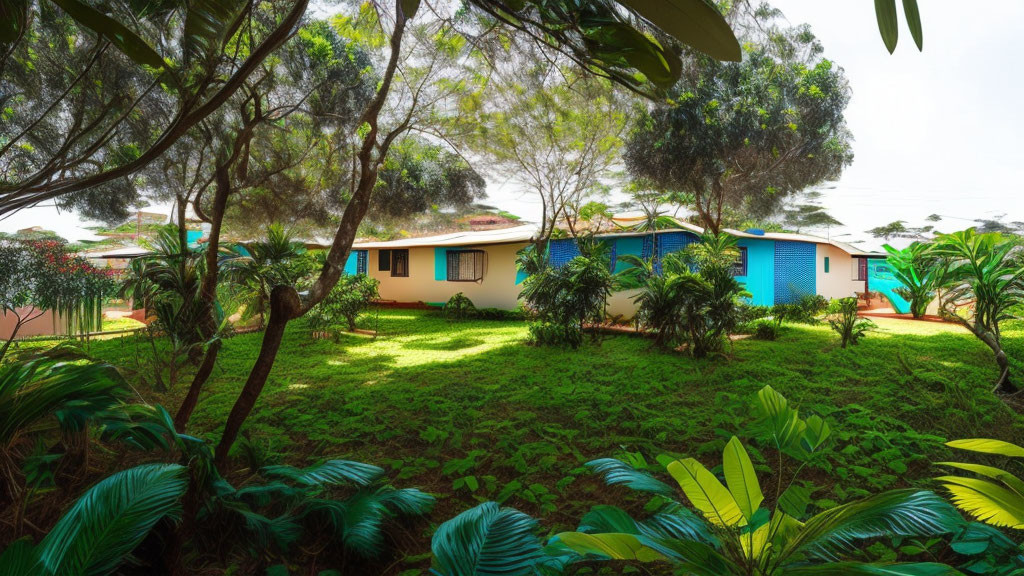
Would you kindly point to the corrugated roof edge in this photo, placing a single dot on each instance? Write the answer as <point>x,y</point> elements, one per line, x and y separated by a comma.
<point>526,234</point>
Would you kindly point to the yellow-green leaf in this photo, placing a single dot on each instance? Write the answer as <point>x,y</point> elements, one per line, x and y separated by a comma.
<point>988,446</point>
<point>706,493</point>
<point>611,545</point>
<point>741,478</point>
<point>987,501</point>
<point>1011,481</point>
<point>885,12</point>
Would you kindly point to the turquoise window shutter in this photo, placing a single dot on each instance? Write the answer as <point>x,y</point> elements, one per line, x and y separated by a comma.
<point>826,264</point>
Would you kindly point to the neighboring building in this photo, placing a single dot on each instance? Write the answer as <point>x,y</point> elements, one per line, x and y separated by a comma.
<point>775,267</point>
<point>482,265</point>
<point>117,258</point>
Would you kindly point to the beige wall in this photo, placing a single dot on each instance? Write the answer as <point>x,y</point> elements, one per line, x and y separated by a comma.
<point>839,281</point>
<point>498,289</point>
<point>622,304</point>
<point>41,326</point>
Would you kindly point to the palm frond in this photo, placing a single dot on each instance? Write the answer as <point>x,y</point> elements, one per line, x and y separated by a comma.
<point>890,514</point>
<point>618,472</point>
<point>863,569</point>
<point>112,518</point>
<point>329,473</point>
<point>487,541</point>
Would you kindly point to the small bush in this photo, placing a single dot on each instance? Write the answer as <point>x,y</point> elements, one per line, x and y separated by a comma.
<point>765,329</point>
<point>459,307</point>
<point>347,300</point>
<point>842,317</point>
<point>549,334</point>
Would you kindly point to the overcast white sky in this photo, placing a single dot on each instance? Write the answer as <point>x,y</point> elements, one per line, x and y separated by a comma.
<point>937,131</point>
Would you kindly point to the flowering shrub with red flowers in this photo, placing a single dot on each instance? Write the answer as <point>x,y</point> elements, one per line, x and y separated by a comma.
<point>45,275</point>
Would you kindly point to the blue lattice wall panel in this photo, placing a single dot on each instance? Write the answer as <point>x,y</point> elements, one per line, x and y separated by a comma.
<point>794,271</point>
<point>670,242</point>
<point>563,250</point>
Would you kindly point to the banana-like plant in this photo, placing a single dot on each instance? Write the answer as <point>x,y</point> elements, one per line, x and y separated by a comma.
<point>920,272</point>
<point>993,496</point>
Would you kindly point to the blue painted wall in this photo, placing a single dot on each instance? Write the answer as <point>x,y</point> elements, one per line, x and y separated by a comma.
<point>352,264</point>
<point>760,278</point>
<point>795,274</point>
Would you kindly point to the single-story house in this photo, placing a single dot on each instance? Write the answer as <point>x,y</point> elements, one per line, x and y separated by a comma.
<point>775,267</point>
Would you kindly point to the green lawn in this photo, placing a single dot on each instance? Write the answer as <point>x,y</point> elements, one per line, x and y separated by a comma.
<point>470,412</point>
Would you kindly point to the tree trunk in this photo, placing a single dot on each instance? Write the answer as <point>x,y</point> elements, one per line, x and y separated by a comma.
<point>208,294</point>
<point>284,305</point>
<point>284,300</point>
<point>7,344</point>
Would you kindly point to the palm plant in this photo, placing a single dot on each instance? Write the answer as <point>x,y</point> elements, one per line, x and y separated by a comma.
<point>843,319</point>
<point>104,525</point>
<point>985,284</point>
<point>920,272</point>
<point>564,298</point>
<point>48,394</point>
<point>256,268</point>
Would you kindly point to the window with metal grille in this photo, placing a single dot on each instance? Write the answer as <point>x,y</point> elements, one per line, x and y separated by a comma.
<point>465,265</point>
<point>740,267</point>
<point>384,260</point>
<point>400,263</point>
<point>360,261</point>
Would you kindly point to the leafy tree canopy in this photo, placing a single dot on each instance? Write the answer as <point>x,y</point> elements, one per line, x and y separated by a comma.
<point>418,175</point>
<point>748,135</point>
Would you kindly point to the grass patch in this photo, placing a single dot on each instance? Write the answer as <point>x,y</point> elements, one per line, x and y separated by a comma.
<point>469,412</point>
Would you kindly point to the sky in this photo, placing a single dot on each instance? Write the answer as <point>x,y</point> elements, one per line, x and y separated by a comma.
<point>935,132</point>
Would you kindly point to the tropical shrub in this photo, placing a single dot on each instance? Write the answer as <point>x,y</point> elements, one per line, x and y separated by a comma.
<point>349,298</point>
<point>691,297</point>
<point>459,307</point>
<point>921,272</point>
<point>566,296</point>
<point>765,329</point>
<point>41,276</point>
<point>842,317</point>
<point>984,287</point>
<point>549,334</point>
<point>498,314</point>
<point>256,268</point>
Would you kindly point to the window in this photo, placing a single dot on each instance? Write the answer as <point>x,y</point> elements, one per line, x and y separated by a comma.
<point>826,264</point>
<point>384,260</point>
<point>861,273</point>
<point>740,267</point>
<point>360,261</point>
<point>400,263</point>
<point>465,265</point>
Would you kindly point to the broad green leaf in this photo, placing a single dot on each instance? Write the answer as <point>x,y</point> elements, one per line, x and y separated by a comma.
<point>1011,481</point>
<point>816,433</point>
<point>611,545</point>
<point>885,12</point>
<point>913,15</point>
<point>207,22</point>
<point>783,422</point>
<point>487,541</point>
<point>741,478</point>
<point>988,446</point>
<point>987,501</point>
<point>120,36</point>
<point>706,493</point>
<point>697,23</point>
<point>794,500</point>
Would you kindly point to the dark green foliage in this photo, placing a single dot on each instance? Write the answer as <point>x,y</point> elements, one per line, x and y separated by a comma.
<point>764,329</point>
<point>499,314</point>
<point>921,272</point>
<point>255,268</point>
<point>692,297</point>
<point>418,176</point>
<point>776,117</point>
<point>842,317</point>
<point>349,298</point>
<point>564,298</point>
<point>459,307</point>
<point>488,541</point>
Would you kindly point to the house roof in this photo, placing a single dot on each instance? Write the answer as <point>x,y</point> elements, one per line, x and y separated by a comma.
<point>526,234</point>
<point>467,238</point>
